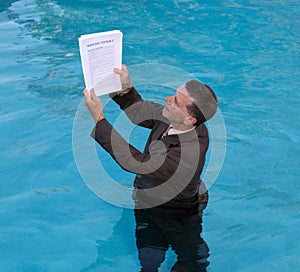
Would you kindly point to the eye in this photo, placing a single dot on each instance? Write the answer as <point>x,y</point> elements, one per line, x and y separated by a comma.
<point>176,102</point>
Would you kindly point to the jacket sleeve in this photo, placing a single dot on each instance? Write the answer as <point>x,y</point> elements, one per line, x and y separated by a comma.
<point>140,112</point>
<point>159,163</point>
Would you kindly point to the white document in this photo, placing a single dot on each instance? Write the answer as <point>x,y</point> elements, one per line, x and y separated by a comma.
<point>100,53</point>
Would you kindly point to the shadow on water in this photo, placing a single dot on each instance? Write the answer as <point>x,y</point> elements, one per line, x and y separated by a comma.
<point>53,31</point>
<point>45,52</point>
<point>118,246</point>
<point>6,4</point>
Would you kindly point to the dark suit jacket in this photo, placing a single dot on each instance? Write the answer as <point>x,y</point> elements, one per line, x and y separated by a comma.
<point>168,170</point>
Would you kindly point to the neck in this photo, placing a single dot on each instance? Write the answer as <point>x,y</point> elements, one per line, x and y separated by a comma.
<point>180,126</point>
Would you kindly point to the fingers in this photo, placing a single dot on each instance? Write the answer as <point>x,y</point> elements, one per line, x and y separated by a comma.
<point>91,99</point>
<point>86,96</point>
<point>118,71</point>
<point>92,94</point>
<point>121,71</point>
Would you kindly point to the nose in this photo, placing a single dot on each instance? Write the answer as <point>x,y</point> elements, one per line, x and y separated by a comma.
<point>169,99</point>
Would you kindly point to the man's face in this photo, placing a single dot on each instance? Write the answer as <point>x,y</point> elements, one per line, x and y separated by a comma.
<point>175,109</point>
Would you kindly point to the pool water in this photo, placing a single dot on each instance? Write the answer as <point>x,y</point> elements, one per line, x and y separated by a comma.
<point>248,51</point>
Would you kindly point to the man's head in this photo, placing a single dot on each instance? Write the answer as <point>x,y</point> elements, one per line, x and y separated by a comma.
<point>193,104</point>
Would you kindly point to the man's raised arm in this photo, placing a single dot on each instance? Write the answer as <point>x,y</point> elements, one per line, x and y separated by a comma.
<point>139,111</point>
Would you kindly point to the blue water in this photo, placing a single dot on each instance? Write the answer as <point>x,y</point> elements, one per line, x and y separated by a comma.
<point>248,51</point>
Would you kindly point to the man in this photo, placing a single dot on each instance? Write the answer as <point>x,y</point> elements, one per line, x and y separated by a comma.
<point>167,184</point>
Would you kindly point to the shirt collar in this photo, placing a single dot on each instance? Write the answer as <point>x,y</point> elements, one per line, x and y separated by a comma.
<point>173,131</point>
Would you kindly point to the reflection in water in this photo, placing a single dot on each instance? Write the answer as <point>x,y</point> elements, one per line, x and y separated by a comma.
<point>156,232</point>
<point>118,246</point>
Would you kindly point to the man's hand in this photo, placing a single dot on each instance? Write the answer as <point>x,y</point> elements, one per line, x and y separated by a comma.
<point>94,105</point>
<point>124,77</point>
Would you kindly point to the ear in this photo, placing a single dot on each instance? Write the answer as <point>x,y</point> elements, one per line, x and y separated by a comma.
<point>189,120</point>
